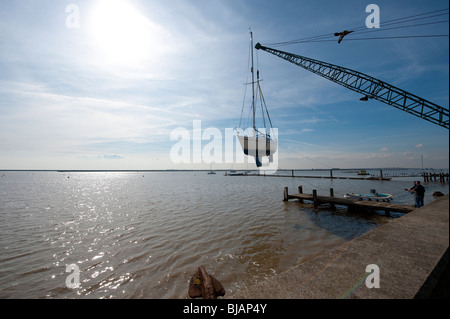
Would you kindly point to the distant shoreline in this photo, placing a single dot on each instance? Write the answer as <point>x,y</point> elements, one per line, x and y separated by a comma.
<point>208,170</point>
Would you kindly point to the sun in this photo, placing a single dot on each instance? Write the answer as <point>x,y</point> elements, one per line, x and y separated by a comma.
<point>121,34</point>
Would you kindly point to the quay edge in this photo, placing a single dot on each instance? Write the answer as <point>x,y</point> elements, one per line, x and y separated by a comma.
<point>411,253</point>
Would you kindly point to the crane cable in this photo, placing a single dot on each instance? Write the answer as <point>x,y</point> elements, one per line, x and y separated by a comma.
<point>363,29</point>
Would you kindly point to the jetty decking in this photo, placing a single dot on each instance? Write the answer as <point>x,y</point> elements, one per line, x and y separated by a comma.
<point>350,203</point>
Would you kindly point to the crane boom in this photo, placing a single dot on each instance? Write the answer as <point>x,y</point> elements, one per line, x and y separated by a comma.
<point>369,86</point>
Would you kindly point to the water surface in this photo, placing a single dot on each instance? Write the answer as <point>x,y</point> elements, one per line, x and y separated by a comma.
<point>143,234</point>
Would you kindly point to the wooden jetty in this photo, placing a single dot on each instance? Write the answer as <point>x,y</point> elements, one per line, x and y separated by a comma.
<point>381,177</point>
<point>350,203</point>
<point>442,177</point>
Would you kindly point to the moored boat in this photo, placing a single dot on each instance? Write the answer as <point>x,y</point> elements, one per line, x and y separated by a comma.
<point>373,195</point>
<point>234,173</point>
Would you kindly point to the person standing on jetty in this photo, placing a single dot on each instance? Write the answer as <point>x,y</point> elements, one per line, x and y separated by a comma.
<point>419,193</point>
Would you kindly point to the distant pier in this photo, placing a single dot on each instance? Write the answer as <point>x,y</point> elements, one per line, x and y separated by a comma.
<point>350,203</point>
<point>380,177</point>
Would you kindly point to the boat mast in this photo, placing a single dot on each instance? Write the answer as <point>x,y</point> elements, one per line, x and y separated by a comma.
<point>253,83</point>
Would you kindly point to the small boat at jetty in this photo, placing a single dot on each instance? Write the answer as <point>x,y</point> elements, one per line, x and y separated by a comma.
<point>234,173</point>
<point>363,172</point>
<point>374,195</point>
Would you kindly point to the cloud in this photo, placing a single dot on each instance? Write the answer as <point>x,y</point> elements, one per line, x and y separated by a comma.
<point>419,145</point>
<point>112,157</point>
<point>100,157</point>
<point>384,149</point>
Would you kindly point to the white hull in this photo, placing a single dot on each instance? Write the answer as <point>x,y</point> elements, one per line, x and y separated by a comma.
<point>376,197</point>
<point>258,146</point>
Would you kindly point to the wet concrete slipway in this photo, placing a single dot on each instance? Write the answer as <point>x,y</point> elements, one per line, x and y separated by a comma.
<point>404,259</point>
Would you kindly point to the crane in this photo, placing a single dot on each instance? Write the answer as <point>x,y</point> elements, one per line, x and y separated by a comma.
<point>369,86</point>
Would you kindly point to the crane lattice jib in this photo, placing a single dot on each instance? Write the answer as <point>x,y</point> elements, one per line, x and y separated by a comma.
<point>369,86</point>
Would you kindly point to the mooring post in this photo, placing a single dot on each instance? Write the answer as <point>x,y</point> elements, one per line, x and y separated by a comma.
<point>331,174</point>
<point>292,173</point>
<point>332,195</point>
<point>285,194</point>
<point>300,191</point>
<point>381,174</point>
<point>316,202</point>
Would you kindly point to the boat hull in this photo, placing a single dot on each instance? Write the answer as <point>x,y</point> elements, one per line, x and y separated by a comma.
<point>258,147</point>
<point>376,197</point>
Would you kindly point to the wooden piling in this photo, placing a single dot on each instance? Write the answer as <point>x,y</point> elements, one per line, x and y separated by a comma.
<point>300,191</point>
<point>316,202</point>
<point>286,194</point>
<point>332,195</point>
<point>428,177</point>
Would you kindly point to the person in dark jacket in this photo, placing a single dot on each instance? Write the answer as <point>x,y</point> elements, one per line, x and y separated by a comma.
<point>419,193</point>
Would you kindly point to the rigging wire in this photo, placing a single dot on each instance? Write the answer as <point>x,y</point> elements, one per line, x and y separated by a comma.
<point>384,38</point>
<point>363,29</point>
<point>308,158</point>
<point>245,88</point>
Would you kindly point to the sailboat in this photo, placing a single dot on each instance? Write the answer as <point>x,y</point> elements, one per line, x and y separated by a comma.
<point>257,142</point>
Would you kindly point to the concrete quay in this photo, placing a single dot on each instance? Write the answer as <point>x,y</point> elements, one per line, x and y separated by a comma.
<point>411,253</point>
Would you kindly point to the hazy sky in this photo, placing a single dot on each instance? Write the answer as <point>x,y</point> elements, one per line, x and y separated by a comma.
<point>103,84</point>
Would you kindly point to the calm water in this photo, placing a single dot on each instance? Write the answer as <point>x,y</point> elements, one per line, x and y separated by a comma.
<point>143,235</point>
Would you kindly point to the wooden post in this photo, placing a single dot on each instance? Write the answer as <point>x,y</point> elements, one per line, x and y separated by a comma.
<point>285,194</point>
<point>331,173</point>
<point>316,202</point>
<point>300,191</point>
<point>332,195</point>
<point>292,173</point>
<point>381,174</point>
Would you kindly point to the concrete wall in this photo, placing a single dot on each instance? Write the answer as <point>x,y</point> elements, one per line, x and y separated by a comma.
<point>410,252</point>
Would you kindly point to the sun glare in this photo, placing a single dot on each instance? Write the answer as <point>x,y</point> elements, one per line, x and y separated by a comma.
<point>121,34</point>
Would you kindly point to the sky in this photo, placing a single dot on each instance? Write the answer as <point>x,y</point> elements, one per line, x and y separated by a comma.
<point>134,84</point>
